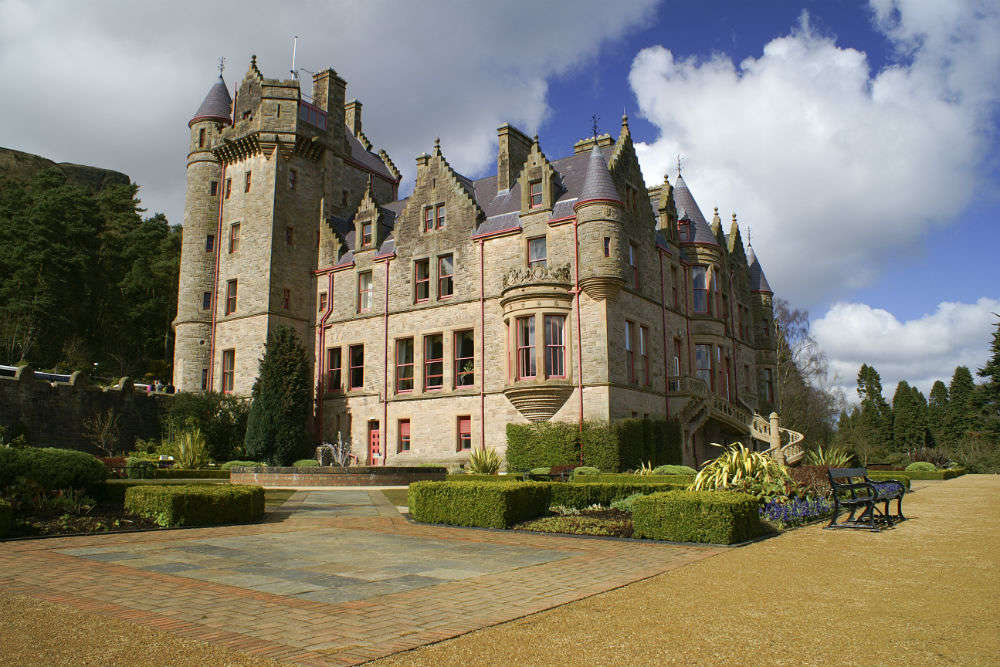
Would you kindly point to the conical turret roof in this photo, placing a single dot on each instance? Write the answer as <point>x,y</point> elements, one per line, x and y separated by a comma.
<point>687,209</point>
<point>758,281</point>
<point>598,184</point>
<point>217,105</point>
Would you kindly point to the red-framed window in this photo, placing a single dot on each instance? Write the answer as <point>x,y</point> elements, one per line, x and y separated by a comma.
<point>433,362</point>
<point>555,346</point>
<point>246,186</point>
<point>356,358</point>
<point>428,218</point>
<point>439,214</point>
<point>229,187</point>
<point>231,297</point>
<point>234,237</point>
<point>404,365</point>
<point>526,348</point>
<point>464,433</point>
<point>289,235</point>
<point>333,369</point>
<point>630,350</point>
<point>421,280</point>
<point>404,436</point>
<point>535,193</point>
<point>206,300</point>
<point>537,251</point>
<point>365,291</point>
<point>703,361</point>
<point>465,362</point>
<point>633,262</point>
<point>286,299</point>
<point>322,302</point>
<point>607,246</point>
<point>228,370</point>
<point>209,242</point>
<point>446,276</point>
<point>673,284</point>
<point>201,138</point>
<point>644,352</point>
<point>366,234</point>
<point>699,288</point>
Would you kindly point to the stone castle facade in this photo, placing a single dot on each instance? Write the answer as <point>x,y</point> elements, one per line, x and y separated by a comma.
<point>556,289</point>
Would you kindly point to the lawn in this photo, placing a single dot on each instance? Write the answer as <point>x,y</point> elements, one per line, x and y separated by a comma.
<point>396,496</point>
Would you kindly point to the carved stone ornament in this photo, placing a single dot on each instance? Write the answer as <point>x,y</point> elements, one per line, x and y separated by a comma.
<point>527,275</point>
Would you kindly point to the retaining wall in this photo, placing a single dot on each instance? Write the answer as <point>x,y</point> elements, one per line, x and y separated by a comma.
<point>332,476</point>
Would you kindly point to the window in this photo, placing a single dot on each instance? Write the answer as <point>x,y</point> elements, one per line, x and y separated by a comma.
<point>322,302</point>
<point>356,357</point>
<point>555,346</point>
<point>246,185</point>
<point>439,213</point>
<point>213,188</point>
<point>343,197</point>
<point>204,379</point>
<point>465,365</point>
<point>768,378</point>
<point>333,369</point>
<point>234,237</point>
<point>206,300</point>
<point>201,138</point>
<point>703,359</point>
<point>231,297</point>
<point>537,253</point>
<point>699,283</point>
<point>289,235</point>
<point>428,218</point>
<point>404,436</point>
<point>365,291</point>
<point>629,351</point>
<point>675,367</point>
<point>421,280</point>
<point>229,187</point>
<point>633,262</point>
<point>446,271</point>
<point>644,352</point>
<point>717,306</point>
<point>286,298</point>
<point>525,347</point>
<point>464,433</point>
<point>404,365</point>
<point>228,370</point>
<point>209,242</point>
<point>535,193</point>
<point>366,234</point>
<point>293,176</point>
<point>607,246</point>
<point>673,283</point>
<point>684,230</point>
<point>433,361</point>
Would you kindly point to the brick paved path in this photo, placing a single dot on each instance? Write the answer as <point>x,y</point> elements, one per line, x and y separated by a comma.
<point>332,578</point>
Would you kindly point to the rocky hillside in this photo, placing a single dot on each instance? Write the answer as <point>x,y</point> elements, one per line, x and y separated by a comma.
<point>20,167</point>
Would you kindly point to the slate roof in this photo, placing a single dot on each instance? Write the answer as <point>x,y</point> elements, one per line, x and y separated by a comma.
<point>598,183</point>
<point>365,157</point>
<point>217,105</point>
<point>687,209</point>
<point>758,281</point>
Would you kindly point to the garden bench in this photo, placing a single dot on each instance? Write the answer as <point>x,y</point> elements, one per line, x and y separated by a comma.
<point>864,495</point>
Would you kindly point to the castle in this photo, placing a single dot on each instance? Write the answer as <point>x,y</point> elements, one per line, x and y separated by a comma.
<point>556,289</point>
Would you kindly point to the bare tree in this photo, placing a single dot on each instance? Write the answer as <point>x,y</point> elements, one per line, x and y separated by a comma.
<point>102,430</point>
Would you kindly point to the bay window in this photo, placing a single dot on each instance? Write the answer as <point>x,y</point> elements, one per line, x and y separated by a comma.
<point>526,347</point>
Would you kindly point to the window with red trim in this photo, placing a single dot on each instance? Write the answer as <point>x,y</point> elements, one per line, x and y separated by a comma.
<point>289,235</point>
<point>537,251</point>
<point>703,360</point>
<point>234,237</point>
<point>228,370</point>
<point>465,365</point>
<point>201,138</point>
<point>204,379</point>
<point>428,218</point>
<point>322,302</point>
<point>535,193</point>
<point>213,188</point>
<point>229,187</point>
<point>231,297</point>
<point>526,347</point>
<point>209,242</point>
<point>365,291</point>
<point>366,234</point>
<point>333,369</point>
<point>421,280</point>
<point>206,300</point>
<point>433,361</point>
<point>607,246</point>
<point>293,177</point>
<point>404,436</point>
<point>464,433</point>
<point>356,358</point>
<point>629,351</point>
<point>555,346</point>
<point>439,214</point>
<point>404,365</point>
<point>246,186</point>
<point>633,262</point>
<point>674,283</point>
<point>644,352</point>
<point>699,288</point>
<point>446,274</point>
<point>768,386</point>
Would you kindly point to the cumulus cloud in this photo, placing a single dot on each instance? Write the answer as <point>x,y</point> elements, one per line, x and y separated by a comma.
<point>113,84</point>
<point>919,351</point>
<point>833,166</point>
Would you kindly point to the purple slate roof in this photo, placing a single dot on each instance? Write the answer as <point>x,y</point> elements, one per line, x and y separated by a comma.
<point>687,209</point>
<point>217,105</point>
<point>598,183</point>
<point>758,281</point>
<point>365,157</point>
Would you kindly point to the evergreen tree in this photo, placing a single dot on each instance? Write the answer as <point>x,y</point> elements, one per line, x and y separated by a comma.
<point>907,421</point>
<point>961,408</point>
<point>875,425</point>
<point>990,391</point>
<point>281,402</point>
<point>937,412</point>
<point>921,429</point>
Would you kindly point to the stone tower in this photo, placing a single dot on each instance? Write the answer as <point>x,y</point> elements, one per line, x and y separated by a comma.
<point>603,243</point>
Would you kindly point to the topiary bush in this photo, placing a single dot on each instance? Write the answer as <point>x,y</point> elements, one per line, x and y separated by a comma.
<point>196,505</point>
<point>924,466</point>
<point>627,503</point>
<point>483,504</point>
<point>713,517</point>
<point>306,463</point>
<point>671,469</point>
<point>51,468</point>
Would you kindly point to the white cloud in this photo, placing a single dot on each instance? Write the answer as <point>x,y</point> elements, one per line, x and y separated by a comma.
<point>832,166</point>
<point>113,84</point>
<point>919,351</point>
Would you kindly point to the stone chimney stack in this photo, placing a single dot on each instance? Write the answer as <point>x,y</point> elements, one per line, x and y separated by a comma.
<point>352,117</point>
<point>514,148</point>
<point>329,91</point>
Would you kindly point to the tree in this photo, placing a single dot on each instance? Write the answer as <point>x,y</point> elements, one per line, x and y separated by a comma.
<point>876,416</point>
<point>989,393</point>
<point>907,418</point>
<point>937,411</point>
<point>960,417</point>
<point>281,402</point>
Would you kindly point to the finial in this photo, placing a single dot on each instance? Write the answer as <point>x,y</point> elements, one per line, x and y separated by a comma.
<point>624,116</point>
<point>678,165</point>
<point>253,60</point>
<point>535,138</point>
<point>437,144</point>
<point>716,211</point>
<point>594,118</point>
<point>666,178</point>
<point>222,65</point>
<point>749,242</point>
<point>734,216</point>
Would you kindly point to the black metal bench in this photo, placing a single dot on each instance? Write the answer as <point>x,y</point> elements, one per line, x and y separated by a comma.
<point>854,491</point>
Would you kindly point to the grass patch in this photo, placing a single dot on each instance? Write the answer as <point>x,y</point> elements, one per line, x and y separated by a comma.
<point>397,497</point>
<point>274,498</point>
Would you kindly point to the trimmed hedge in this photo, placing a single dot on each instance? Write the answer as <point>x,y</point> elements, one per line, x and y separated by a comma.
<point>51,468</point>
<point>948,473</point>
<point>113,490</point>
<point>714,517</point>
<point>585,494</point>
<point>671,469</point>
<point>610,447</point>
<point>487,505</point>
<point>882,475</point>
<point>475,477</point>
<point>925,466</point>
<point>190,473</point>
<point>6,518</point>
<point>306,463</point>
<point>242,464</point>
<point>194,505</point>
<point>140,468</point>
<point>627,478</point>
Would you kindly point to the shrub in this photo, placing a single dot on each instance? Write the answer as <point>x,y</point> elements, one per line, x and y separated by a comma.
<point>626,477</point>
<point>583,471</point>
<point>113,490</point>
<point>671,469</point>
<point>188,448</point>
<point>541,444</point>
<point>886,475</point>
<point>812,481</point>
<point>190,505</point>
<point>475,477</point>
<point>6,518</point>
<point>306,463</point>
<point>541,471</point>
<point>484,461</point>
<point>718,517</point>
<point>242,464</point>
<point>581,495</point>
<point>833,457</point>
<point>222,419</point>
<point>188,473</point>
<point>921,465</point>
<point>140,468</point>
<point>51,468</point>
<point>488,505</point>
<point>625,504</point>
<point>795,511</point>
<point>740,469</point>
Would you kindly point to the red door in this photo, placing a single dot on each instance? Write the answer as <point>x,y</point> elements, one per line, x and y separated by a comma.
<point>374,450</point>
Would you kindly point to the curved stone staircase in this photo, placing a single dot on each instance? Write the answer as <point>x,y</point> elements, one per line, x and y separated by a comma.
<point>785,445</point>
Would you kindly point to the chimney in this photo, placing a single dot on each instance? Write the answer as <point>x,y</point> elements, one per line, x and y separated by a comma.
<point>513,152</point>
<point>352,117</point>
<point>329,91</point>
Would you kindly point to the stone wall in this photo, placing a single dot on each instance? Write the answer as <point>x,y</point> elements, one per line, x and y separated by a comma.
<point>53,413</point>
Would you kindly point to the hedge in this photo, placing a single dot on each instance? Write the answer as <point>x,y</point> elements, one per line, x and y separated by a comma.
<point>488,504</point>
<point>882,475</point>
<point>193,505</point>
<point>190,473</point>
<point>140,468</point>
<point>672,469</point>
<point>714,517</point>
<point>305,463</point>
<point>51,468</point>
<point>242,464</point>
<point>6,518</point>
<point>585,494</point>
<point>926,466</point>
<point>113,490</point>
<point>627,478</point>
<point>948,473</point>
<point>474,477</point>
<point>610,447</point>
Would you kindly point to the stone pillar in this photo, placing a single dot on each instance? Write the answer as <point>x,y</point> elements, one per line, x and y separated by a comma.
<point>776,438</point>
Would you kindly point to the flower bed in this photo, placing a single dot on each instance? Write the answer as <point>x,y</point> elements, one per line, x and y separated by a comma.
<point>784,513</point>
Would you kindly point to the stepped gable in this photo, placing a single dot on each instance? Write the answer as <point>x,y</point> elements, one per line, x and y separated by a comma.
<point>370,161</point>
<point>217,105</point>
<point>687,209</point>
<point>758,281</point>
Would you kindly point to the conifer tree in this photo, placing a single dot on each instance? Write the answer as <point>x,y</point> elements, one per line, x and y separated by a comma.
<point>281,402</point>
<point>961,418</point>
<point>907,423</point>
<point>990,391</point>
<point>937,412</point>
<point>876,416</point>
<point>921,430</point>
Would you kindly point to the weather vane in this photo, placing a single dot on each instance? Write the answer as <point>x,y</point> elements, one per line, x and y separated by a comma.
<point>594,118</point>
<point>222,64</point>
<point>679,157</point>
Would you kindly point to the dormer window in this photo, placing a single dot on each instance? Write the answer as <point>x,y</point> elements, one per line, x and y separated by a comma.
<point>366,234</point>
<point>535,193</point>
